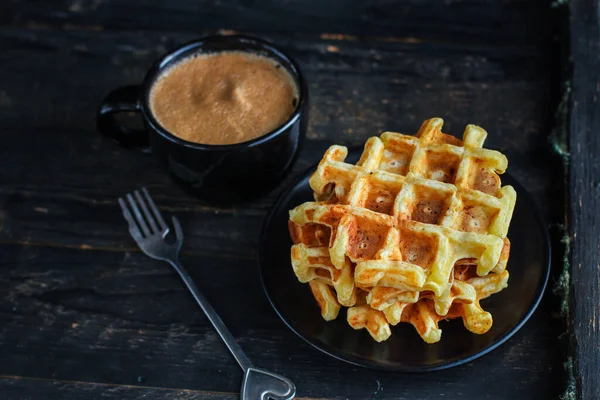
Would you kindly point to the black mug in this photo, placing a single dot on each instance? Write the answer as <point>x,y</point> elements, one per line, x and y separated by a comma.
<point>215,173</point>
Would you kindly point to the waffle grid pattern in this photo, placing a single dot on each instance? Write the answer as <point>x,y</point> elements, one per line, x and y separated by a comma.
<point>384,236</point>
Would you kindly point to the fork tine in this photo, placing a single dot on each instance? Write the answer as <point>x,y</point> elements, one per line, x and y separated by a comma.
<point>147,214</point>
<point>157,214</point>
<point>133,228</point>
<point>138,215</point>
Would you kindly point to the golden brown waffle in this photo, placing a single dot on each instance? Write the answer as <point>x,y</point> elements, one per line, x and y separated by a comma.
<point>314,264</point>
<point>423,316</point>
<point>326,300</point>
<point>397,223</point>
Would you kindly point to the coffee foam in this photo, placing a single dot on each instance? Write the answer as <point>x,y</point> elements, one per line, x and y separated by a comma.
<point>223,98</point>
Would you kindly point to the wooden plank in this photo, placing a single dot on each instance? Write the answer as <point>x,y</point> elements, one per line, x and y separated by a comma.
<point>81,210</point>
<point>20,388</point>
<point>357,88</point>
<point>585,195</point>
<point>97,316</point>
<point>481,21</point>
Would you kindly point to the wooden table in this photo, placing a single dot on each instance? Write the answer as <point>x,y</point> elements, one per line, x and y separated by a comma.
<point>85,315</point>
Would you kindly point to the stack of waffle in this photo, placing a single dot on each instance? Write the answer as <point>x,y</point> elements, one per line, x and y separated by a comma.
<point>414,232</point>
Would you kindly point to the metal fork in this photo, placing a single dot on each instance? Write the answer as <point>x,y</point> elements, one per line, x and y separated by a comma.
<point>149,230</point>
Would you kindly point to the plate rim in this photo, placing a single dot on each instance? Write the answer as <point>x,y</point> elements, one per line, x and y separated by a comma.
<point>540,290</point>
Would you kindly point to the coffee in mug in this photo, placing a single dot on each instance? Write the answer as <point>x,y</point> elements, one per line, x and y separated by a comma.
<point>223,98</point>
<point>225,115</point>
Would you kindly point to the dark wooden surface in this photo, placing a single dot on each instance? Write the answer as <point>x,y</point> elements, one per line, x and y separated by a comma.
<point>585,196</point>
<point>83,314</point>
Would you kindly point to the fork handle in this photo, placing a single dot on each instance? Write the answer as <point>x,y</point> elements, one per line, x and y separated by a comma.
<point>213,317</point>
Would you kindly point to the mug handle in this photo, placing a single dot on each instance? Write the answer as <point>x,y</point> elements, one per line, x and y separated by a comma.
<point>124,99</point>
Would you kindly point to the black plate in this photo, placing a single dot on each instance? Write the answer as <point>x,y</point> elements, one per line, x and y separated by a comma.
<point>529,267</point>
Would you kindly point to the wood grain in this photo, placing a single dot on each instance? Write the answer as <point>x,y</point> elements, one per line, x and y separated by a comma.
<point>357,90</point>
<point>585,196</point>
<point>20,388</point>
<point>111,317</point>
<point>481,21</point>
<point>87,315</point>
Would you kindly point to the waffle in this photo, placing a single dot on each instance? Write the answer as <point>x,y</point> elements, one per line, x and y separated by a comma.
<point>396,226</point>
<point>425,319</point>
<point>326,300</point>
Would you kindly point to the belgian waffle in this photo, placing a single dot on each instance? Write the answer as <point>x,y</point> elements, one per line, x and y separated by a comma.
<point>394,226</point>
